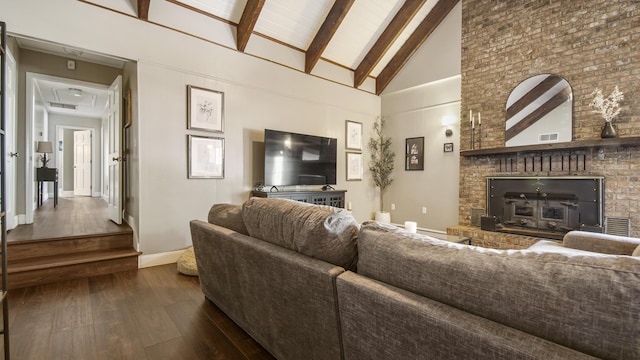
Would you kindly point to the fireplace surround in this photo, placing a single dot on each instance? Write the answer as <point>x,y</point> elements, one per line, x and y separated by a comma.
<point>544,206</point>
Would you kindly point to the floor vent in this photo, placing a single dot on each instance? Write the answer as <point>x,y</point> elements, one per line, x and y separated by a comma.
<point>617,226</point>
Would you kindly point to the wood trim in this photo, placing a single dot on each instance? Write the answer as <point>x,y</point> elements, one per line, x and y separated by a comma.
<point>248,22</point>
<point>400,21</point>
<point>422,32</point>
<point>557,100</point>
<point>143,9</point>
<point>328,28</point>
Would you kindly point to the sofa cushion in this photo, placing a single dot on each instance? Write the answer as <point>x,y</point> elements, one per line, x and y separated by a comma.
<point>229,216</point>
<point>587,303</point>
<point>636,252</point>
<point>323,232</point>
<point>602,243</point>
<point>551,246</point>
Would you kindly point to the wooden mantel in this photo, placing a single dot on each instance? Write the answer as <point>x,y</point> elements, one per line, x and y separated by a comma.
<point>571,145</point>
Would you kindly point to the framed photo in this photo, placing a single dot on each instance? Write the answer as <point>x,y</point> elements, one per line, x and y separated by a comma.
<point>448,147</point>
<point>414,157</point>
<point>353,135</point>
<point>206,157</point>
<point>205,109</point>
<point>354,166</point>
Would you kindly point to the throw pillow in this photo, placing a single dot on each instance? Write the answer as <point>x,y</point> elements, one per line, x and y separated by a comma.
<point>322,232</point>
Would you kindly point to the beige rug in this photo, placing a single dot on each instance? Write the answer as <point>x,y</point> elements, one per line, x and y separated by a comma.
<point>187,263</point>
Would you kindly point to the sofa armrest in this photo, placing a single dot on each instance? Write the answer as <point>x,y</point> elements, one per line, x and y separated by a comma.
<point>601,243</point>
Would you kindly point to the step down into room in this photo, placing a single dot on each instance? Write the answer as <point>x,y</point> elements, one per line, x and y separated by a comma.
<point>42,261</point>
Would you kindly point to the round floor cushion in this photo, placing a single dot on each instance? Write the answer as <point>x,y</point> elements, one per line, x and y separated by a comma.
<point>187,263</point>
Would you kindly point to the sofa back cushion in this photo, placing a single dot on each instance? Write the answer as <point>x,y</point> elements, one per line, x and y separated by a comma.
<point>602,243</point>
<point>322,232</point>
<point>229,216</point>
<point>587,303</point>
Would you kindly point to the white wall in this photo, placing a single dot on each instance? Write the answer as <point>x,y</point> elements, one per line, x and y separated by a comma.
<point>169,200</point>
<point>419,112</point>
<point>440,56</point>
<point>258,95</point>
<point>415,102</point>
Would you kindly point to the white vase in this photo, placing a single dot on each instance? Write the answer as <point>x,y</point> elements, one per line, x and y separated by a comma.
<point>383,216</point>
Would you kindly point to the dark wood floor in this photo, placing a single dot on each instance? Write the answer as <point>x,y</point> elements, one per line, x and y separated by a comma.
<point>73,216</point>
<point>152,313</point>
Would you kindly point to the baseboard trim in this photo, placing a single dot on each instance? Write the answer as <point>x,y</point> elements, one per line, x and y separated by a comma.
<point>158,259</point>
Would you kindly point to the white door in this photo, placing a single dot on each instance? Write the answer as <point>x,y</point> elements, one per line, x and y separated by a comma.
<point>114,151</point>
<point>82,163</point>
<point>10,129</point>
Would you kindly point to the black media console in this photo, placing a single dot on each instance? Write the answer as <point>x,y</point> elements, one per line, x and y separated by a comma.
<point>333,198</point>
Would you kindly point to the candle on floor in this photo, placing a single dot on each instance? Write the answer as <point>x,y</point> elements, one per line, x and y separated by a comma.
<point>411,226</point>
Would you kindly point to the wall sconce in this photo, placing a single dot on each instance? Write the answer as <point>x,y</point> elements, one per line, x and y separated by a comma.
<point>447,122</point>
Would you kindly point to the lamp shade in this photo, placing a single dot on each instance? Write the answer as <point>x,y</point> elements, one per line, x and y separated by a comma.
<point>44,147</point>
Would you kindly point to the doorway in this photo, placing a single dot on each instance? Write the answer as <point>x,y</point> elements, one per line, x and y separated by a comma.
<point>76,153</point>
<point>42,115</point>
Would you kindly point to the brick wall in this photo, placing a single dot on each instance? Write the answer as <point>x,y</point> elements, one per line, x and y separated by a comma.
<point>590,44</point>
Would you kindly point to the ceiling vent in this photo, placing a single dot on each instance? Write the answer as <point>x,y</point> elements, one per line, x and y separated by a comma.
<point>63,106</point>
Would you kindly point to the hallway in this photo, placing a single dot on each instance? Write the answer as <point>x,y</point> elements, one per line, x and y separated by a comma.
<point>72,217</point>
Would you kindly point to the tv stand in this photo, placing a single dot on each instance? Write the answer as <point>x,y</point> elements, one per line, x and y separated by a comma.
<point>333,198</point>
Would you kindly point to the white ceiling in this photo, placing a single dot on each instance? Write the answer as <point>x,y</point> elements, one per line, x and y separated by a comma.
<point>292,23</point>
<point>356,40</point>
<point>63,97</point>
<point>88,99</point>
<point>296,22</point>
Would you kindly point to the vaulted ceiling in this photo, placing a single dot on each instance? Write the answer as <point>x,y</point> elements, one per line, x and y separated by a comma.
<point>372,39</point>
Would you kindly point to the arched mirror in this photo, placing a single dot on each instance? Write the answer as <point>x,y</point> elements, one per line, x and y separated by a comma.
<point>539,110</point>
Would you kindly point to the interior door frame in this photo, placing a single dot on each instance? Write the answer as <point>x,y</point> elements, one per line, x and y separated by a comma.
<point>30,186</point>
<point>11,133</point>
<point>94,160</point>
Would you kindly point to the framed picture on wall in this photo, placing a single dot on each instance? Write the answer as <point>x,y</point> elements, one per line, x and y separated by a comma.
<point>205,109</point>
<point>354,166</point>
<point>414,156</point>
<point>353,135</point>
<point>448,147</point>
<point>205,157</point>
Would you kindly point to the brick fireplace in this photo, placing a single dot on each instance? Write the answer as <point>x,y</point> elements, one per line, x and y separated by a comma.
<point>590,44</point>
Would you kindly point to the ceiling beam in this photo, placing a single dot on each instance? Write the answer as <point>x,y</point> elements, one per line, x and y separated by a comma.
<point>422,32</point>
<point>248,22</point>
<point>388,36</point>
<point>329,27</point>
<point>143,9</point>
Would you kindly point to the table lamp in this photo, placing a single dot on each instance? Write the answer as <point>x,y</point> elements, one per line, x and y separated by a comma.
<point>44,147</point>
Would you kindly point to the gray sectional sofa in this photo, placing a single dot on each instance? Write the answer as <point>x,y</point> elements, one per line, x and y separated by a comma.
<point>309,282</point>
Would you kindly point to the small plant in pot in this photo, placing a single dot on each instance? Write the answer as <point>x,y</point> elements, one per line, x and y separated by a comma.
<point>609,108</point>
<point>381,164</point>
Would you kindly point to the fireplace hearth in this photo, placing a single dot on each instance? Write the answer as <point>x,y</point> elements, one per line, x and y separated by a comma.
<point>545,206</point>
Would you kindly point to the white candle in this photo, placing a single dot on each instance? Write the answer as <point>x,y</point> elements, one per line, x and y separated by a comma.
<point>479,119</point>
<point>473,124</point>
<point>470,116</point>
<point>411,226</point>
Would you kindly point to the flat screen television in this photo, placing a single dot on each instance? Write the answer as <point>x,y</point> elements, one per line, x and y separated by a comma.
<point>298,159</point>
